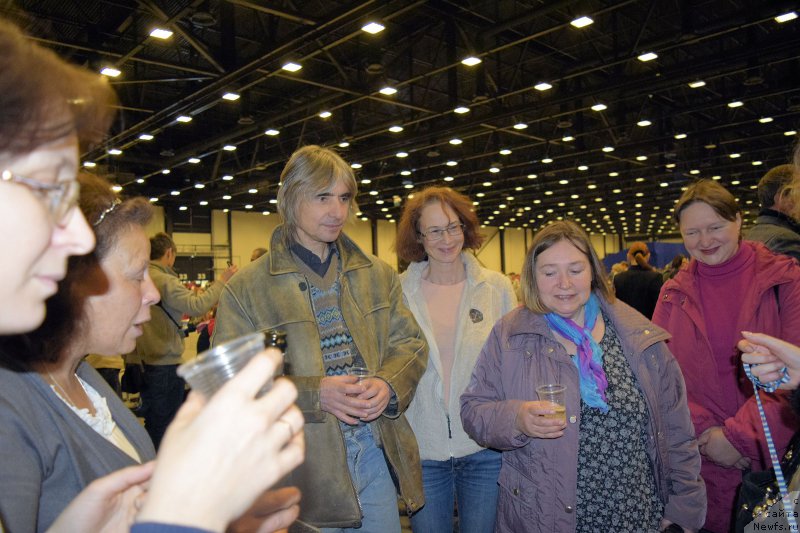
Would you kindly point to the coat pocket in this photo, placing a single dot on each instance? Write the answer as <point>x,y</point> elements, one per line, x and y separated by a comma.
<point>515,504</point>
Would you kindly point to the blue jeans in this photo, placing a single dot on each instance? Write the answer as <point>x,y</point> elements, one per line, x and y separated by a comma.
<point>473,479</point>
<point>162,396</point>
<point>377,495</point>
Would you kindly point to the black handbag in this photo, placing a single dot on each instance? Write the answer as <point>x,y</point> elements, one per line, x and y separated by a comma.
<point>759,490</point>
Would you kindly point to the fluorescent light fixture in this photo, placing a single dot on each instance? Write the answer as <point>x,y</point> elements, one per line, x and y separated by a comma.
<point>697,84</point>
<point>520,126</point>
<point>757,163</point>
<point>325,114</point>
<point>641,158</point>
<point>644,123</point>
<point>231,97</point>
<point>694,172</point>
<point>734,155</point>
<point>344,144</point>
<point>765,120</point>
<point>199,186</point>
<point>89,164</point>
<point>402,154</point>
<point>145,137</point>
<point>226,197</point>
<point>356,165</point>
<point>542,86</point>
<point>227,177</point>
<point>184,119</point>
<point>583,168</point>
<point>161,33</point>
<point>448,178</point>
<point>373,27</point>
<point>505,151</point>
<point>613,174</point>
<point>647,56</point>
<point>405,173</point>
<point>203,202</point>
<point>670,165</point>
<point>471,61</point>
<point>194,160</point>
<point>567,138</point>
<point>461,110</point>
<point>111,72</point>
<point>388,91</point>
<point>451,163</point>
<point>680,136</point>
<point>166,171</point>
<point>396,129</point>
<point>153,200</point>
<point>494,170</point>
<point>456,141</point>
<point>736,103</point>
<point>291,66</point>
<point>175,193</point>
<point>265,213</point>
<point>547,160</point>
<point>272,132</point>
<point>608,149</point>
<point>229,148</point>
<point>582,22</point>
<point>248,206</point>
<point>183,208</point>
<point>790,133</point>
<point>115,151</point>
<point>786,17</point>
<point>599,107</point>
<point>252,191</point>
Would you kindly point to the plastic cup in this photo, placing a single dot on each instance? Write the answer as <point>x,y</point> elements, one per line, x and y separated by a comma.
<point>213,368</point>
<point>554,394</point>
<point>361,372</point>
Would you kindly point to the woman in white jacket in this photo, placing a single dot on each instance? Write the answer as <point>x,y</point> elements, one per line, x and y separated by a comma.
<point>456,302</point>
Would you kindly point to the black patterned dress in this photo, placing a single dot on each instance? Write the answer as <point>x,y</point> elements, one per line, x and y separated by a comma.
<point>616,486</point>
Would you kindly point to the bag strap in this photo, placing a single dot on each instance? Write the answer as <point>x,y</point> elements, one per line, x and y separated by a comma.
<point>788,508</point>
<point>159,304</point>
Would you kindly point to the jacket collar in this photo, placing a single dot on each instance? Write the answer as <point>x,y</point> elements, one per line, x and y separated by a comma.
<point>162,268</point>
<point>282,262</point>
<point>635,332</point>
<point>475,273</point>
<point>777,218</point>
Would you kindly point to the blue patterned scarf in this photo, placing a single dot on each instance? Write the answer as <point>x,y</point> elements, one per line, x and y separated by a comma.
<point>589,361</point>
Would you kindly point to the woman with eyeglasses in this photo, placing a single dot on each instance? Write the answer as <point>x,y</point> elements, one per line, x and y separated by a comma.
<point>456,302</point>
<point>48,107</point>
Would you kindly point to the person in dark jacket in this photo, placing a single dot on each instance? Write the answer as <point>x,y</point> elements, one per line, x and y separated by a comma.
<point>624,456</point>
<point>640,284</point>
<point>775,225</point>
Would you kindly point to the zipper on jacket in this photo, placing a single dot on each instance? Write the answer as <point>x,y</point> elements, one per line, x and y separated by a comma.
<point>449,432</point>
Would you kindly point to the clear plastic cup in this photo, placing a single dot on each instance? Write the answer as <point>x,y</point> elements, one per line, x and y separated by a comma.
<point>361,372</point>
<point>213,368</point>
<point>554,394</point>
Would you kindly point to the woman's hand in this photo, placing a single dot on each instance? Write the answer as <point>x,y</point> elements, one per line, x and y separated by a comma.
<point>275,510</point>
<point>531,420</point>
<point>108,504</point>
<point>716,447</point>
<point>769,356</point>
<point>216,458</point>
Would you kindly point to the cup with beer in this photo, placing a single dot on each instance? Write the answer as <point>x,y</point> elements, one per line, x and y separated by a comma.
<point>554,394</point>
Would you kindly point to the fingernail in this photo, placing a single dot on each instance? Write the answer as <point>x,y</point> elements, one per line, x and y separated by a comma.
<point>747,333</point>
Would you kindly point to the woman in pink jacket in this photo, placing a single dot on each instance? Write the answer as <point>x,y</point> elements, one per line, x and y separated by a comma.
<point>730,285</point>
<point>624,458</point>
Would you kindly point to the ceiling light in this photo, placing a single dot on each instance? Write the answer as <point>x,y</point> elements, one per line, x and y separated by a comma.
<point>735,182</point>
<point>542,86</point>
<point>325,114</point>
<point>229,148</point>
<point>396,129</point>
<point>272,132</point>
<point>547,160</point>
<point>471,61</point>
<point>402,154</point>
<point>641,158</point>
<point>608,149</point>
<point>765,120</point>
<point>582,22</point>
<point>757,163</point>
<point>663,184</point>
<point>373,27</point>
<point>647,56</point>
<point>166,171</point>
<point>388,91</point>
<point>716,178</point>
<point>145,137</point>
<point>373,193</point>
<point>532,176</point>
<point>249,206</point>
<point>183,208</point>
<point>405,172</point>
<point>567,138</point>
<point>494,170</point>
<point>697,84</point>
<point>291,66</point>
<point>456,141</point>
<point>487,183</point>
<point>448,178</point>
<point>356,165</point>
<point>203,202</point>
<point>790,133</point>
<point>193,160</point>
<point>252,191</point>
<point>116,188</point>
<point>184,119</point>
<point>694,172</point>
<point>451,163</point>
<point>344,144</point>
<point>563,182</point>
<point>520,126</point>
<point>366,181</point>
<point>734,155</point>
<point>89,164</point>
<point>461,110</point>
<point>786,17</point>
<point>230,96</point>
<point>153,199</point>
<point>644,123</point>
<point>613,174</point>
<point>111,72</point>
<point>115,151</point>
<point>505,151</point>
<point>175,193</point>
<point>161,33</point>
<point>583,168</point>
<point>226,197</point>
<point>680,136</point>
<point>599,107</point>
<point>227,177</point>
<point>735,104</point>
<point>199,186</point>
<point>670,165</point>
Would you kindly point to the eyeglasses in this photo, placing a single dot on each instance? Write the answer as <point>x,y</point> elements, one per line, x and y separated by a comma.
<point>60,198</point>
<point>454,229</point>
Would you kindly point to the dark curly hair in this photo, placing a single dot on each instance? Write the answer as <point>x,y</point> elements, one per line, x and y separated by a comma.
<point>108,217</point>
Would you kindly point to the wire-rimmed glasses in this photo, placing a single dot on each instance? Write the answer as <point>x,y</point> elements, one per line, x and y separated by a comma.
<point>436,234</point>
<point>59,197</point>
